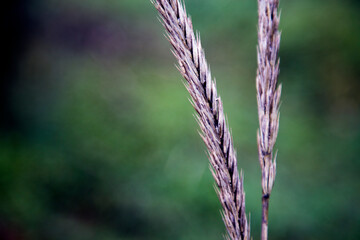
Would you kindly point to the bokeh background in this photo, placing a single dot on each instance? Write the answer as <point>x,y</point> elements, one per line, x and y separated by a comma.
<point>98,141</point>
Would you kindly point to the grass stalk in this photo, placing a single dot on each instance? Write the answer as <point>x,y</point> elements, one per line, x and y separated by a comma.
<point>210,116</point>
<point>268,98</point>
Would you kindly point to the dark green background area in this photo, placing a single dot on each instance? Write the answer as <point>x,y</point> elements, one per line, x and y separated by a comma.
<point>98,141</point>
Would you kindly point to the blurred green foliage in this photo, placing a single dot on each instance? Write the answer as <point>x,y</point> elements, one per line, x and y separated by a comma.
<point>102,143</point>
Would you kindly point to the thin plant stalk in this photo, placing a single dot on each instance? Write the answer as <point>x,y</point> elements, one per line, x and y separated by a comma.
<point>268,98</point>
<point>210,116</point>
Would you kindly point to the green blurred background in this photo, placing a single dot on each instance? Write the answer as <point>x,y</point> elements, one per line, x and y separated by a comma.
<point>98,141</point>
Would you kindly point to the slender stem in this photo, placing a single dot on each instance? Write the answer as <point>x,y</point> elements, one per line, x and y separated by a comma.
<point>268,98</point>
<point>264,222</point>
